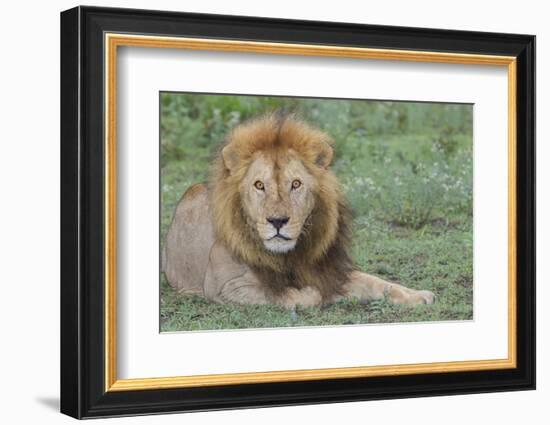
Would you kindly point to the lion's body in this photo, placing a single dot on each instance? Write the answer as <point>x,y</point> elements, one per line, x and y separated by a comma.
<point>272,225</point>
<point>189,241</point>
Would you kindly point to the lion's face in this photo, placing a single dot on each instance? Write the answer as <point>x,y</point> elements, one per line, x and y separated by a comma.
<point>278,196</point>
<point>274,198</point>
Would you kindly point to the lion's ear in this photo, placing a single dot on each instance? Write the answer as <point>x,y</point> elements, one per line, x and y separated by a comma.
<point>230,157</point>
<point>324,154</point>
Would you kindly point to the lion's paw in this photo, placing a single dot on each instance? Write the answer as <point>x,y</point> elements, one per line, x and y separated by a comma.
<point>425,297</point>
<point>305,297</point>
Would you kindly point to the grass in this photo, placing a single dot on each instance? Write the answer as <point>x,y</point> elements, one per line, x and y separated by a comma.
<point>409,185</point>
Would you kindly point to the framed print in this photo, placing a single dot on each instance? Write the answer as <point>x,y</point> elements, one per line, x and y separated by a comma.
<point>261,212</point>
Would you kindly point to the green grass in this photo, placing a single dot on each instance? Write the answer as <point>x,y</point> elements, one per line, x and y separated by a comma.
<point>407,171</point>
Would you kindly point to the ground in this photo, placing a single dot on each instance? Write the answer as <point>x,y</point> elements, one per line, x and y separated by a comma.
<point>407,171</point>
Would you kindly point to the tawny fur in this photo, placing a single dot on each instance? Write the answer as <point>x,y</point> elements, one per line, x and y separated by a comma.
<point>321,258</point>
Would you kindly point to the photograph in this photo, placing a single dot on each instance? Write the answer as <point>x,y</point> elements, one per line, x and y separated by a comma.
<point>268,211</point>
<point>298,212</point>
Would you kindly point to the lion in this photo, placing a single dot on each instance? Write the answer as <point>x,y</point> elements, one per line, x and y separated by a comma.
<point>272,225</point>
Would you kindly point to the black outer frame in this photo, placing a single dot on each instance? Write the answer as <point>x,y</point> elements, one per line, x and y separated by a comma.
<point>82,219</point>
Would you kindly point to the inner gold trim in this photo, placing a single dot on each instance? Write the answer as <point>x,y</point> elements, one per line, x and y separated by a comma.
<point>113,41</point>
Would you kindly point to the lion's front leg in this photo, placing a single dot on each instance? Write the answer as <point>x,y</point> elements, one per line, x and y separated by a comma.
<point>227,280</point>
<point>246,289</point>
<point>305,297</point>
<point>366,287</point>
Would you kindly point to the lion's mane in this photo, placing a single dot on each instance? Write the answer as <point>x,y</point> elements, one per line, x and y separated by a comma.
<point>321,257</point>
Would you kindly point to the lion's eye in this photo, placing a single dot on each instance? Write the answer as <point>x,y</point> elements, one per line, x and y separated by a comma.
<point>296,184</point>
<point>259,185</point>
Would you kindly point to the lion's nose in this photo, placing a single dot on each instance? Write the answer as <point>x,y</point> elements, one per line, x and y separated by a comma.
<point>278,222</point>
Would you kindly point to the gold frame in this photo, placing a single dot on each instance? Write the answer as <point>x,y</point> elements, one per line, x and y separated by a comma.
<point>113,41</point>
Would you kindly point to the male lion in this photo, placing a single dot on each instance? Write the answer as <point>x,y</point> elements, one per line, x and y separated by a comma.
<point>272,225</point>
